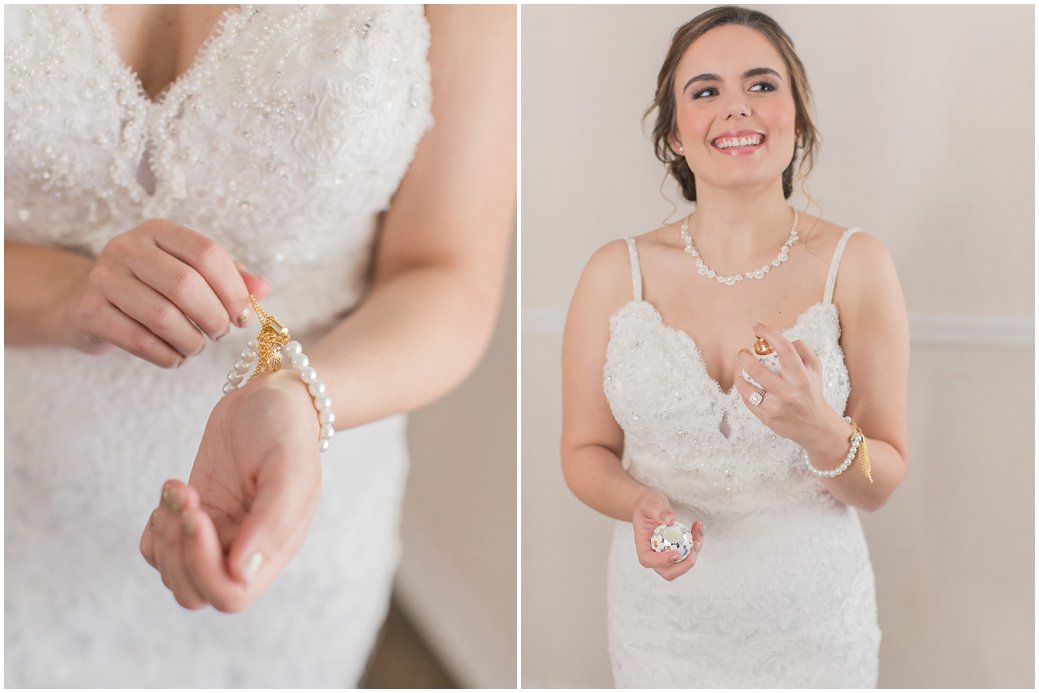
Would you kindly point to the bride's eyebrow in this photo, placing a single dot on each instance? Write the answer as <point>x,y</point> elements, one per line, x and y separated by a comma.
<point>752,72</point>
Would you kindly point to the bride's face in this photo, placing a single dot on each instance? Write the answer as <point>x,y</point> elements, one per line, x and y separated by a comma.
<point>735,111</point>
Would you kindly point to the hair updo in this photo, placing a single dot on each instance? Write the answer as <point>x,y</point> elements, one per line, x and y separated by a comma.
<point>807,138</point>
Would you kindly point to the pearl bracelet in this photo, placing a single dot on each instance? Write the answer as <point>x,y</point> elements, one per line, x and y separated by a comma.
<point>853,450</point>
<point>271,344</point>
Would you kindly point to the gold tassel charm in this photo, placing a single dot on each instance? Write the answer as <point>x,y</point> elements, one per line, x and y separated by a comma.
<point>864,453</point>
<point>272,337</point>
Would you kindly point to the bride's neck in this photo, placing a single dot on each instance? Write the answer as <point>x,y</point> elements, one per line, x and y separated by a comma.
<point>737,222</point>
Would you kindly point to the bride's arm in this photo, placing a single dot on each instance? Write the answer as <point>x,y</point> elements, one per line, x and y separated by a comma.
<point>441,258</point>
<point>592,441</point>
<point>875,340</point>
<point>438,275</point>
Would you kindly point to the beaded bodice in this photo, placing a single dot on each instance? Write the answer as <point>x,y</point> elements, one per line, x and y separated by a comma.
<point>283,140</point>
<point>685,436</point>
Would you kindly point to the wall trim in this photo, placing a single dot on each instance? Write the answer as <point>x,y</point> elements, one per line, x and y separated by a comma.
<point>930,330</point>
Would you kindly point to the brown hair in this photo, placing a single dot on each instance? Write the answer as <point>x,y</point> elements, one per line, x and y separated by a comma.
<point>664,101</point>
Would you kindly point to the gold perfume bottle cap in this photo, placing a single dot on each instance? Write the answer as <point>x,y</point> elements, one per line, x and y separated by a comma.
<point>761,347</point>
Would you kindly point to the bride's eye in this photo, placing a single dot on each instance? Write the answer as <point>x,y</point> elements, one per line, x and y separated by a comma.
<point>704,92</point>
<point>762,86</point>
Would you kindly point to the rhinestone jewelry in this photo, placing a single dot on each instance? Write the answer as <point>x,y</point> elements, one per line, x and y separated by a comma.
<point>675,536</point>
<point>270,349</point>
<point>757,396</point>
<point>855,441</point>
<point>704,271</point>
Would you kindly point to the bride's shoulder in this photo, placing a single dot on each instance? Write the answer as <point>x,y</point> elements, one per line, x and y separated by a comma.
<point>865,261</point>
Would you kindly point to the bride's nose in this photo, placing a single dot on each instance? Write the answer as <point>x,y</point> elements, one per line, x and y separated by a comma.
<point>738,109</point>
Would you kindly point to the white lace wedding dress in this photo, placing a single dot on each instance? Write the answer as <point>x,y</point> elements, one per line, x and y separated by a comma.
<point>283,141</point>
<point>782,594</point>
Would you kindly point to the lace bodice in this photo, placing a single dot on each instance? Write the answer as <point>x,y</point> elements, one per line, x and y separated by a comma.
<point>676,418</point>
<point>284,138</point>
<point>283,141</point>
<point>782,593</point>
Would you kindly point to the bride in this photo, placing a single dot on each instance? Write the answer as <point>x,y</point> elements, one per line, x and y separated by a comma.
<point>661,421</point>
<point>350,168</point>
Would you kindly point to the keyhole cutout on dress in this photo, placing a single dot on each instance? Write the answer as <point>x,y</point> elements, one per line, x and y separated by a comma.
<point>723,425</point>
<point>145,175</point>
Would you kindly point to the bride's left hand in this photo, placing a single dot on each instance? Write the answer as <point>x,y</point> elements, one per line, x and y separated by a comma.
<point>253,491</point>
<point>793,405</point>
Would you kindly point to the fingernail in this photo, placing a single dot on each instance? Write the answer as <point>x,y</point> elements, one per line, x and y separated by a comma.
<point>224,335</point>
<point>243,317</point>
<point>189,525</point>
<point>200,349</point>
<point>171,499</point>
<point>252,567</point>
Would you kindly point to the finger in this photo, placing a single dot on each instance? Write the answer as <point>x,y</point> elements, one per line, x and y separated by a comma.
<point>808,357</point>
<point>143,304</point>
<point>745,361</point>
<point>257,285</point>
<point>183,287</point>
<point>168,536</point>
<point>205,562</point>
<point>212,262</point>
<point>273,530</point>
<point>148,540</point>
<point>789,361</point>
<point>118,329</point>
<point>676,567</point>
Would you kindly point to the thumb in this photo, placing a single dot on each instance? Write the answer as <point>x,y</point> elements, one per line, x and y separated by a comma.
<point>274,528</point>
<point>256,285</point>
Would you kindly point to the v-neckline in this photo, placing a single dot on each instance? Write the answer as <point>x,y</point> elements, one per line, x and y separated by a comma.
<point>691,341</point>
<point>218,34</point>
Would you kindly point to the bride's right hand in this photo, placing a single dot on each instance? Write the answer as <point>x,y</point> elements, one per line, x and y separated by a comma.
<point>157,291</point>
<point>651,510</point>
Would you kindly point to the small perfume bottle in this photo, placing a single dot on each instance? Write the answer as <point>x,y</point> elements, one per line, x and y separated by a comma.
<point>764,353</point>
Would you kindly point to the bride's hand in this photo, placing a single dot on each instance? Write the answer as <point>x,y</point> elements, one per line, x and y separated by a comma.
<point>253,491</point>
<point>793,405</point>
<point>651,510</point>
<point>157,291</point>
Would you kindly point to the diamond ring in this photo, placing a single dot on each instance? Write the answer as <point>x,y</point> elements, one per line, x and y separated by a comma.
<point>756,397</point>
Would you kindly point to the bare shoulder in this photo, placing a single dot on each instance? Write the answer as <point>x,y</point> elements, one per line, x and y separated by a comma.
<point>607,274</point>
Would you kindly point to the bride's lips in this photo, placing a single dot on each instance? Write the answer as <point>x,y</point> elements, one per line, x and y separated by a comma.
<point>741,150</point>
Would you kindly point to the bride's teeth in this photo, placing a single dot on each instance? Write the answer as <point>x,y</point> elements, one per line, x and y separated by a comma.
<point>739,142</point>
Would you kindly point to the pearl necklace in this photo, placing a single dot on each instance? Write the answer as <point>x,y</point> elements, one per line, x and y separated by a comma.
<point>704,271</point>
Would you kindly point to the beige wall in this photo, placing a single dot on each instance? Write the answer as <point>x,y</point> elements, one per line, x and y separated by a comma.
<point>927,120</point>
<point>457,579</point>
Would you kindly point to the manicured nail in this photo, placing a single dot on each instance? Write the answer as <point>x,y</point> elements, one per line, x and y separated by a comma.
<point>696,546</point>
<point>189,524</point>
<point>224,335</point>
<point>172,500</point>
<point>252,567</point>
<point>243,317</point>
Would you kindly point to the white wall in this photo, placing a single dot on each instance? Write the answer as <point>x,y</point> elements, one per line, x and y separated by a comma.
<point>457,579</point>
<point>927,119</point>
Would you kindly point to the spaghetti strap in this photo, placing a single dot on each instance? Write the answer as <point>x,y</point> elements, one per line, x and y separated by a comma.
<point>831,279</point>
<point>636,272</point>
